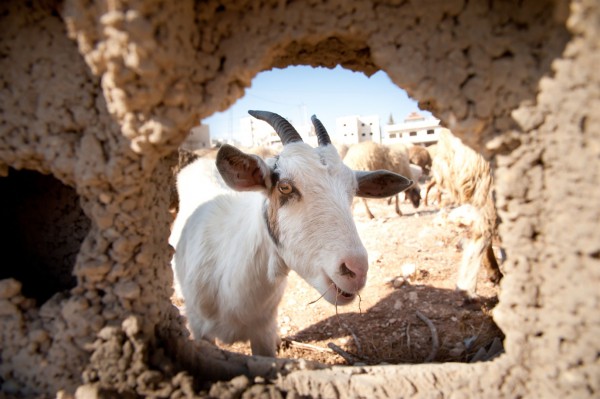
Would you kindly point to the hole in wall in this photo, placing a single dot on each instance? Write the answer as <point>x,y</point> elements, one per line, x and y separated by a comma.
<point>414,258</point>
<point>43,226</point>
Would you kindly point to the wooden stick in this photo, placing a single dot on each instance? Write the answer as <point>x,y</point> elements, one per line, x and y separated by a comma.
<point>435,345</point>
<point>355,338</point>
<point>302,345</point>
<point>350,359</point>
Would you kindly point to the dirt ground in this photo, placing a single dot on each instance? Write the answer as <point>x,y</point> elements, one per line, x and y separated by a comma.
<point>413,260</point>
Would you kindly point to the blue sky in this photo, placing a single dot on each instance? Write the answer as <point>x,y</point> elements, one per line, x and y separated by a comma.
<point>297,91</point>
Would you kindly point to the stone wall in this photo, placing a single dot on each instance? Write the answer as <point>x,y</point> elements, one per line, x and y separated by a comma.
<point>99,94</point>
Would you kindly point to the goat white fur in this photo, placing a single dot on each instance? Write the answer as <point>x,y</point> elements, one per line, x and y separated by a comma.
<point>290,212</point>
<point>466,176</point>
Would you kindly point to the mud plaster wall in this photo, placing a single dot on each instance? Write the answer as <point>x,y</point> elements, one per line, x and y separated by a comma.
<point>99,93</point>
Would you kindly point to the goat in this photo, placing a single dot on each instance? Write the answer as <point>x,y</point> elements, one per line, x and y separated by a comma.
<point>289,212</point>
<point>466,176</point>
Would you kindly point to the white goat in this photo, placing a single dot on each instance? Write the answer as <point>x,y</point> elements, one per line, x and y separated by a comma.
<point>289,212</point>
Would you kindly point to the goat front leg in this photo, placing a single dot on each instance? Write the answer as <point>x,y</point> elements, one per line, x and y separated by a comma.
<point>265,342</point>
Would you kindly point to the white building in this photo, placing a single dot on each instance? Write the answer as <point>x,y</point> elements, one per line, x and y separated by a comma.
<point>198,138</point>
<point>354,129</point>
<point>256,133</point>
<point>415,129</point>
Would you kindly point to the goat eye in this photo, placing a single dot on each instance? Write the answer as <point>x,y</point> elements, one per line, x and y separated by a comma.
<point>285,188</point>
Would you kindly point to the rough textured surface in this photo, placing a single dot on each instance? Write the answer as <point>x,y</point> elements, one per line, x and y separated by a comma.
<point>99,93</point>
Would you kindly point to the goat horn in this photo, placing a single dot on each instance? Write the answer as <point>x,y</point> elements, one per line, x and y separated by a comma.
<point>322,135</point>
<point>283,128</point>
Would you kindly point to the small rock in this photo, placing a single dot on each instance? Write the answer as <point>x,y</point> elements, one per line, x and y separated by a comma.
<point>240,382</point>
<point>107,333</point>
<point>128,290</point>
<point>7,308</point>
<point>398,305</point>
<point>9,287</point>
<point>131,326</point>
<point>408,270</point>
<point>458,350</point>
<point>398,282</point>
<point>413,296</point>
<point>105,198</point>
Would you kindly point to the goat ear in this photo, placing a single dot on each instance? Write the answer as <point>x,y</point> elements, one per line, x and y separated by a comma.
<point>241,171</point>
<point>380,183</point>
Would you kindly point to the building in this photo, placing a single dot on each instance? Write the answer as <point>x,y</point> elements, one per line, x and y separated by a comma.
<point>415,129</point>
<point>354,129</point>
<point>257,133</point>
<point>198,138</point>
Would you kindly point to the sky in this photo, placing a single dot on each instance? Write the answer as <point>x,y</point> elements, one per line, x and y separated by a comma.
<point>298,92</point>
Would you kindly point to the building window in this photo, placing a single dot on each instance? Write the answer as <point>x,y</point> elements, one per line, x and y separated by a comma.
<point>362,124</point>
<point>371,133</point>
<point>364,135</point>
<point>412,133</point>
<point>430,131</point>
<point>392,135</point>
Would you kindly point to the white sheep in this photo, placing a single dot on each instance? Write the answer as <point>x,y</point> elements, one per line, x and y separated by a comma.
<point>370,156</point>
<point>288,212</point>
<point>465,175</point>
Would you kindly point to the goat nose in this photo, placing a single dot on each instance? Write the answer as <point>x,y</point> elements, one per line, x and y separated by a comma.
<point>355,267</point>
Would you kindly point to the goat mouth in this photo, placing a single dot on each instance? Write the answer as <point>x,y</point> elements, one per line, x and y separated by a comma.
<point>342,293</point>
<point>341,296</point>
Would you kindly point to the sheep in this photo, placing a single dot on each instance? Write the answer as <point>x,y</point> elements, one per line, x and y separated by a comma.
<point>368,155</point>
<point>419,155</point>
<point>341,148</point>
<point>291,212</point>
<point>400,163</point>
<point>466,176</point>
